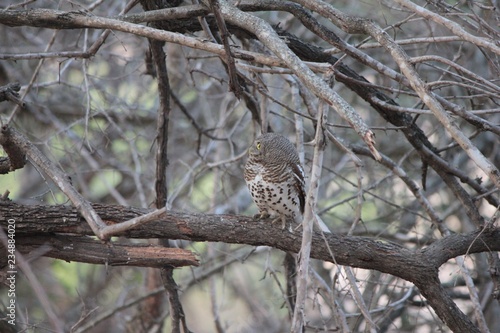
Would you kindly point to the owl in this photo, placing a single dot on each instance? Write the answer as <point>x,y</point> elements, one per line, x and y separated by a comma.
<point>275,178</point>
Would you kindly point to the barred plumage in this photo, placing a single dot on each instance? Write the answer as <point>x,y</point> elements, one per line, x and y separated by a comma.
<point>275,178</point>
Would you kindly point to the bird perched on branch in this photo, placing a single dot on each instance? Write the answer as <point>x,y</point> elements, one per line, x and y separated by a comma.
<point>275,178</point>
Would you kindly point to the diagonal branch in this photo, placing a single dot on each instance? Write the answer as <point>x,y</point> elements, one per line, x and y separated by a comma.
<point>59,177</point>
<point>10,93</point>
<point>354,24</point>
<point>452,26</point>
<point>404,63</point>
<point>229,59</point>
<point>266,34</point>
<point>73,20</point>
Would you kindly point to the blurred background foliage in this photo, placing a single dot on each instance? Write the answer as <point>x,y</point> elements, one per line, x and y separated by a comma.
<point>96,118</point>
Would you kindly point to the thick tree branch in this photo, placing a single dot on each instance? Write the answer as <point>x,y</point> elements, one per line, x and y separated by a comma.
<point>453,82</point>
<point>353,251</point>
<point>91,251</point>
<point>419,267</point>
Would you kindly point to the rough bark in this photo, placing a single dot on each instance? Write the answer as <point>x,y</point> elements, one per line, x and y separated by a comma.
<point>419,267</point>
<point>91,251</point>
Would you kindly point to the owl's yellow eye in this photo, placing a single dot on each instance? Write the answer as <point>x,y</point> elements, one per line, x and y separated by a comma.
<point>258,145</point>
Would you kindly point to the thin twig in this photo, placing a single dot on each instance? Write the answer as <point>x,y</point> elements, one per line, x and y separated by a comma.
<point>59,177</point>
<point>35,284</point>
<point>452,26</point>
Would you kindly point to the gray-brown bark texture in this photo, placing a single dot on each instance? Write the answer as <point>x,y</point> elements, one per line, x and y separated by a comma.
<point>393,107</point>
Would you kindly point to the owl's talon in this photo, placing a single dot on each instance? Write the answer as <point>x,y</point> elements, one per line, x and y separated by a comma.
<point>283,222</point>
<point>262,216</point>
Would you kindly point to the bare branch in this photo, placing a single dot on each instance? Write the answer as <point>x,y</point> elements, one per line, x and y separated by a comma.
<point>102,113</point>
<point>38,290</point>
<point>228,59</point>
<point>268,37</point>
<point>60,178</point>
<point>299,319</point>
<point>358,25</point>
<point>88,250</point>
<point>10,93</point>
<point>419,267</point>
<point>452,26</point>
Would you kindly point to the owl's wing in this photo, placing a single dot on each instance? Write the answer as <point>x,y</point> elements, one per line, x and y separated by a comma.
<point>300,185</point>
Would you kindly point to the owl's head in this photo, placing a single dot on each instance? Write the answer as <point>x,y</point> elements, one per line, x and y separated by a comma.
<point>272,147</point>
